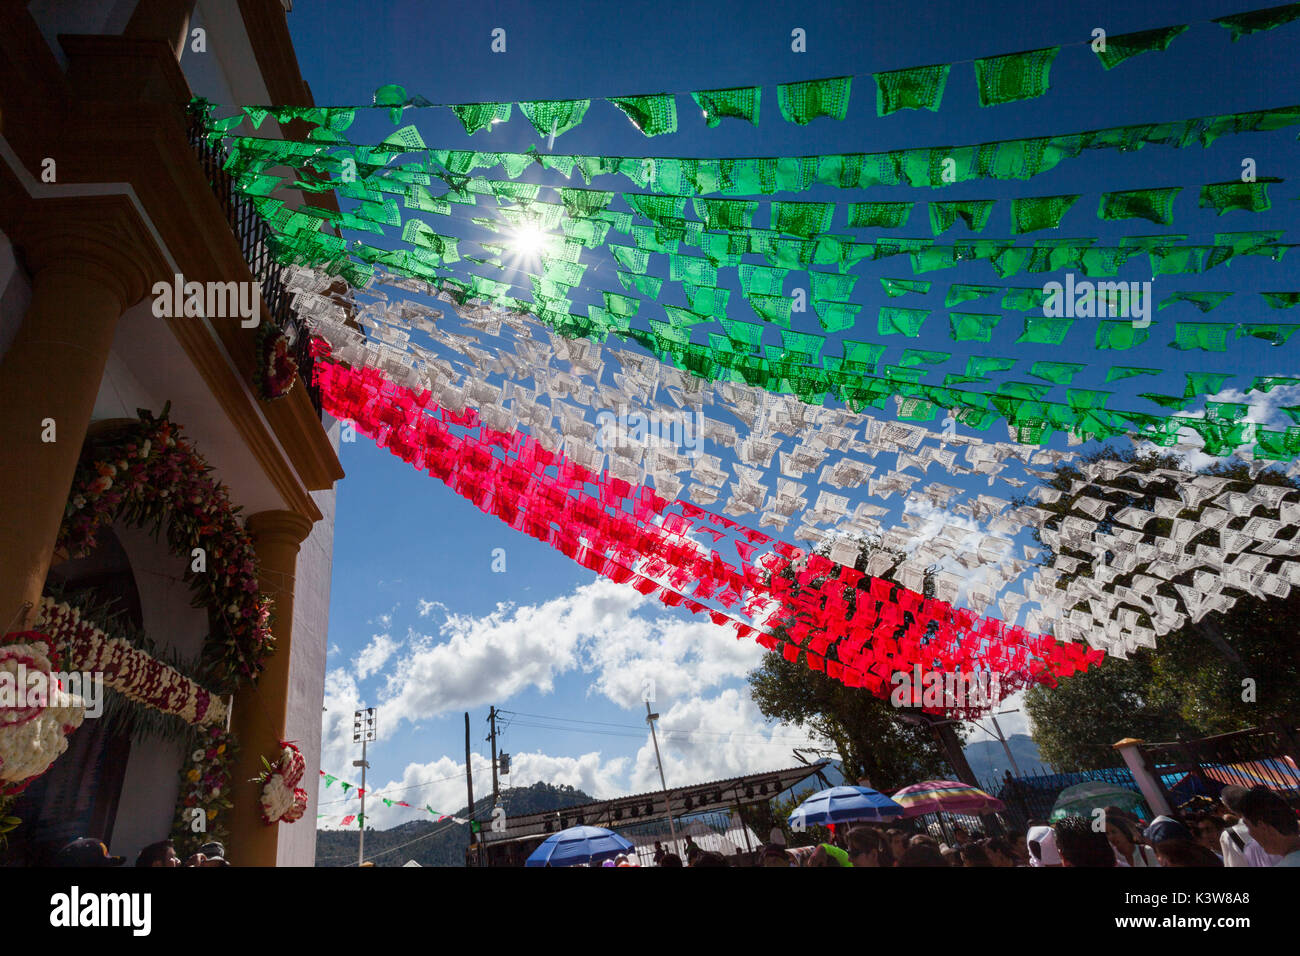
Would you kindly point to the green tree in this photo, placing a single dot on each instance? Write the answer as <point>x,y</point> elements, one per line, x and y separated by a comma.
<point>1077,722</point>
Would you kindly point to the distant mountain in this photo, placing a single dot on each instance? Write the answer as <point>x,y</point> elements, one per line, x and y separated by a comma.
<point>446,846</point>
<point>988,760</point>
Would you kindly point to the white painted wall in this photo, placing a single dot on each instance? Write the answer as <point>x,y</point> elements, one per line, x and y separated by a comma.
<point>78,16</point>
<point>227,72</point>
<point>311,609</point>
<point>152,779</point>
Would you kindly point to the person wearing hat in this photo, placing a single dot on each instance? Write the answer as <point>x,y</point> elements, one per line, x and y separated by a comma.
<point>1167,828</point>
<point>87,851</point>
<point>1235,841</point>
<point>1041,842</point>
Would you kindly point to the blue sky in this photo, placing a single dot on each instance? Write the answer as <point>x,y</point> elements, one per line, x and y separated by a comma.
<point>421,626</point>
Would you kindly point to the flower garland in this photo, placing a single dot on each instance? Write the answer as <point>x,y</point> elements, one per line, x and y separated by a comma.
<point>283,801</point>
<point>33,736</point>
<point>276,368</point>
<point>205,777</point>
<point>147,474</point>
<point>128,670</point>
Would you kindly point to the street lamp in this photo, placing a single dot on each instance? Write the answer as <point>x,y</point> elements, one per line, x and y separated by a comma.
<point>363,732</point>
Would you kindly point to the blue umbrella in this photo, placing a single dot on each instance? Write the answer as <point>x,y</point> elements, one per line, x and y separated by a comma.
<point>579,845</point>
<point>841,805</point>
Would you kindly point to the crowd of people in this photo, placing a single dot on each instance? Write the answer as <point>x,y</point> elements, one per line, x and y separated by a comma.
<point>87,851</point>
<point>1245,828</point>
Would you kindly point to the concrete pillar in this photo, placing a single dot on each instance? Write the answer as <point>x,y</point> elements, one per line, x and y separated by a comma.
<point>259,714</point>
<point>162,20</point>
<point>1130,749</point>
<point>89,262</point>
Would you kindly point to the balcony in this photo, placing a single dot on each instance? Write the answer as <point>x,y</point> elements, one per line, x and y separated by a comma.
<point>253,236</point>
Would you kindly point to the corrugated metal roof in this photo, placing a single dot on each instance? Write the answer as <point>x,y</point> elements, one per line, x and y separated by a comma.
<point>704,797</point>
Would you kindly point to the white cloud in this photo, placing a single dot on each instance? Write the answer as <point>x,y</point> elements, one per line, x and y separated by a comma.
<point>1265,410</point>
<point>596,629</point>
<point>702,739</point>
<point>1009,723</point>
<point>602,629</point>
<point>1264,406</point>
<point>601,778</point>
<point>375,655</point>
<point>487,658</point>
<point>427,607</point>
<point>676,658</point>
<point>342,700</point>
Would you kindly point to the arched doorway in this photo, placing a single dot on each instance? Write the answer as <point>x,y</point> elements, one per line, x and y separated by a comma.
<point>78,796</point>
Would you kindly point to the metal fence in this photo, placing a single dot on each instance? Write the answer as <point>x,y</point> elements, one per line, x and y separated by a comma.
<point>1261,756</point>
<point>1032,795</point>
<point>1187,770</point>
<point>253,235</point>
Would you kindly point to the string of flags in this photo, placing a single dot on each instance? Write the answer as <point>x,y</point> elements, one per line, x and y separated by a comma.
<point>999,79</point>
<point>492,388</point>
<point>359,818</point>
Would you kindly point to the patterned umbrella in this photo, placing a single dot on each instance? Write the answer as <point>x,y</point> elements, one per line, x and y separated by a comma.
<point>842,805</point>
<point>1083,798</point>
<point>950,796</point>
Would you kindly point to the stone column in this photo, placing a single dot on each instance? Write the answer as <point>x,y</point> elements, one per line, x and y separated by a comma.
<point>162,20</point>
<point>90,260</point>
<point>259,714</point>
<point>1130,749</point>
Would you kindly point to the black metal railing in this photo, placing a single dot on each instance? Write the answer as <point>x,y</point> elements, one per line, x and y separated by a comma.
<point>1261,756</point>
<point>253,235</point>
<point>1185,770</point>
<point>1032,795</point>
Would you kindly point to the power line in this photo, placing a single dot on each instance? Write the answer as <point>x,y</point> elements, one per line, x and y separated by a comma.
<point>414,786</point>
<point>409,843</point>
<point>628,727</point>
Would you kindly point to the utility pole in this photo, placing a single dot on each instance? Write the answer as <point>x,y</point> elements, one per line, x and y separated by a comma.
<point>1003,740</point>
<point>947,737</point>
<point>469,787</point>
<point>492,719</point>
<point>650,719</point>
<point>363,730</point>
<point>361,844</point>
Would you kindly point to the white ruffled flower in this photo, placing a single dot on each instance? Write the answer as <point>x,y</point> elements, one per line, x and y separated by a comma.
<point>27,749</point>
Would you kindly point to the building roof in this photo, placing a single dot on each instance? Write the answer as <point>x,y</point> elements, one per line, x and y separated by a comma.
<point>713,795</point>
